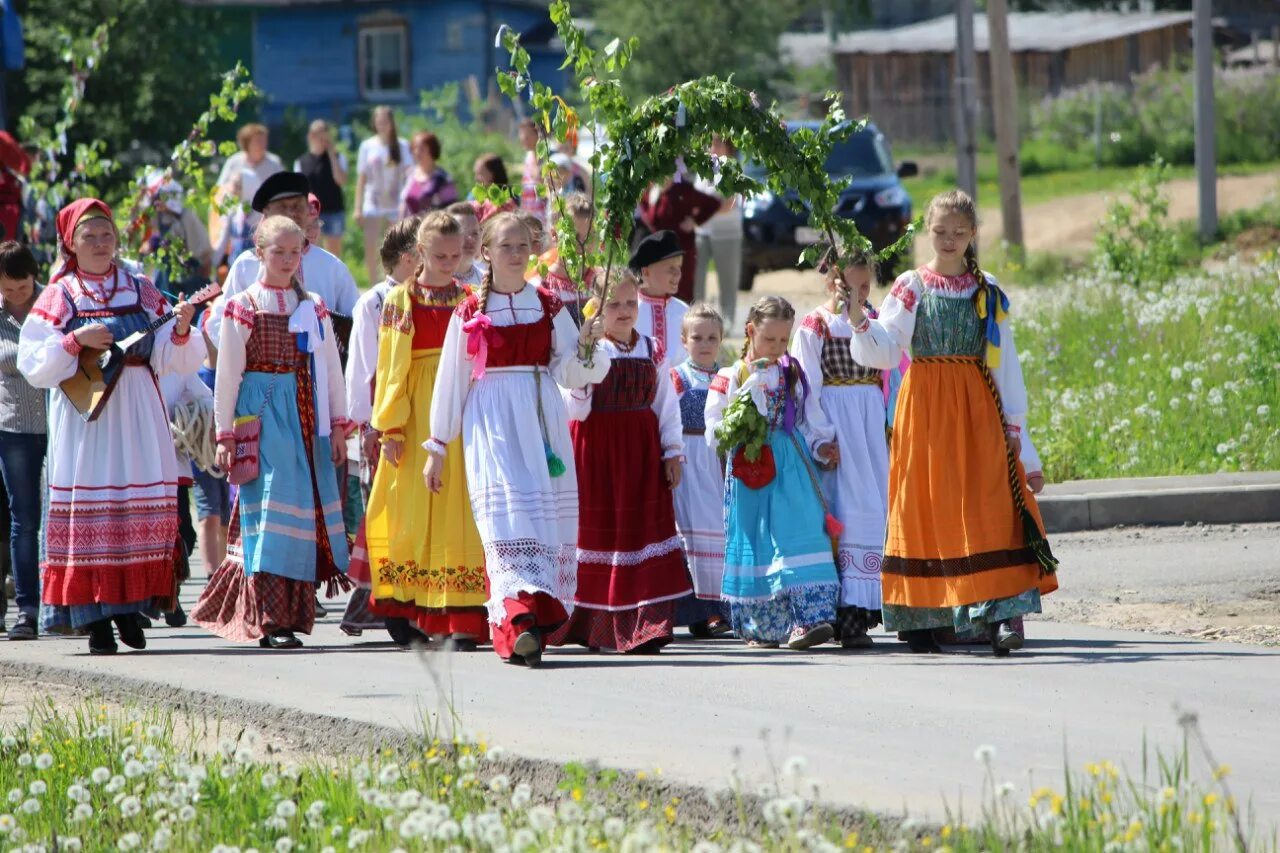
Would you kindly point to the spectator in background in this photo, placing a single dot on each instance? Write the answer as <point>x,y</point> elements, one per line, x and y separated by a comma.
<point>245,170</point>
<point>172,224</point>
<point>326,171</point>
<point>470,269</point>
<point>489,170</point>
<point>15,165</point>
<point>429,187</point>
<point>719,239</point>
<point>531,199</point>
<point>23,438</point>
<point>677,206</point>
<point>382,165</point>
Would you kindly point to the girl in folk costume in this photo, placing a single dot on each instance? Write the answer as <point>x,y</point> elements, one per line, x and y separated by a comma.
<point>112,523</point>
<point>279,392</point>
<point>506,349</point>
<point>578,207</point>
<point>628,448</point>
<point>425,555</point>
<point>699,498</point>
<point>853,400</point>
<point>399,256</point>
<point>779,576</point>
<point>965,548</point>
<point>658,261</point>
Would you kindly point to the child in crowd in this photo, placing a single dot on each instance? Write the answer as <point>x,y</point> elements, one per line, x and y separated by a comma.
<point>699,499</point>
<point>399,256</point>
<point>280,391</point>
<point>956,445</point>
<point>658,261</point>
<point>628,447</point>
<point>779,576</point>
<point>507,348</point>
<point>470,270</point>
<point>557,280</point>
<point>425,555</point>
<point>852,397</point>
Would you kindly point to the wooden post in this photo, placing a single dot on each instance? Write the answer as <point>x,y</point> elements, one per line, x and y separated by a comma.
<point>966,100</point>
<point>1206,143</point>
<point>1004,105</point>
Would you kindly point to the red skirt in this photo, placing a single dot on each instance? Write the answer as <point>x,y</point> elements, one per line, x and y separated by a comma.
<point>631,569</point>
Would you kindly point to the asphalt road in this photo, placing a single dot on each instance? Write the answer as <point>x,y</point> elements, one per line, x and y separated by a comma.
<point>881,729</point>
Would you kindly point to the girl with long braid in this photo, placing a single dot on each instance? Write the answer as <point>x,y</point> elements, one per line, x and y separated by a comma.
<point>506,349</point>
<point>965,548</point>
<point>779,570</point>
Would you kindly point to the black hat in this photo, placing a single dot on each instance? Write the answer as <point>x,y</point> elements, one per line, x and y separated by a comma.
<point>658,246</point>
<point>280,185</point>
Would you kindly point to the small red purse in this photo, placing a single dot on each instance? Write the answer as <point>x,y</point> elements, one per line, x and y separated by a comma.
<point>758,474</point>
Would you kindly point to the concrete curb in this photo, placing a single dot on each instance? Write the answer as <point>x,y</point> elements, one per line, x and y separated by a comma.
<point>1211,499</point>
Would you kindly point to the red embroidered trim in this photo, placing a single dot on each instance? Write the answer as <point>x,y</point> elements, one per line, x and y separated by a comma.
<point>71,344</point>
<point>1013,428</point>
<point>660,327</point>
<point>677,381</point>
<point>224,435</point>
<point>950,283</point>
<point>322,310</point>
<point>904,294</point>
<point>180,339</point>
<point>150,296</point>
<point>551,302</point>
<point>239,313</point>
<point>814,323</point>
<point>863,326</point>
<point>720,384</point>
<point>52,304</point>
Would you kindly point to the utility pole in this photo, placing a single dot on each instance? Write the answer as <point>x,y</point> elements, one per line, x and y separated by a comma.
<point>1206,144</point>
<point>1004,105</point>
<point>966,100</point>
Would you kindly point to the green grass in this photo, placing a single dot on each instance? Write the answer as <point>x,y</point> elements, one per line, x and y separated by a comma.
<point>1182,378</point>
<point>127,780</point>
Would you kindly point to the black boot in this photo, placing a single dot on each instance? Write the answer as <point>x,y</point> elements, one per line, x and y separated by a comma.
<point>280,640</point>
<point>922,642</point>
<point>102,641</point>
<point>176,618</point>
<point>1004,639</point>
<point>404,633</point>
<point>129,627</point>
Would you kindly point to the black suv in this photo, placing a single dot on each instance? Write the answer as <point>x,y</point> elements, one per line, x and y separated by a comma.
<point>774,235</point>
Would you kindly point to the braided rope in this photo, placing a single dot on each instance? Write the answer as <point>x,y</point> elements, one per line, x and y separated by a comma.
<point>1035,539</point>
<point>193,434</point>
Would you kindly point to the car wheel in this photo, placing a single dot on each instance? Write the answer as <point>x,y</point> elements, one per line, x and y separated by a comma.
<point>747,278</point>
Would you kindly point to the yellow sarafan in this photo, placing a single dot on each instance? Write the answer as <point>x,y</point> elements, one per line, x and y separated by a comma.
<point>424,549</point>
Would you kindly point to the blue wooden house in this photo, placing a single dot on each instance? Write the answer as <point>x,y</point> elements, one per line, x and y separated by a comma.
<point>335,58</point>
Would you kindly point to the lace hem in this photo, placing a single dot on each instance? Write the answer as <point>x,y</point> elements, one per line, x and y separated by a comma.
<point>526,565</point>
<point>629,558</point>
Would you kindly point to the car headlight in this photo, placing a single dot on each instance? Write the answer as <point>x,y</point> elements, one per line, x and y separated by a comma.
<point>757,203</point>
<point>891,197</point>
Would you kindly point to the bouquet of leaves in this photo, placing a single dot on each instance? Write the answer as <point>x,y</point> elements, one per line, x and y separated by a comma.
<point>743,426</point>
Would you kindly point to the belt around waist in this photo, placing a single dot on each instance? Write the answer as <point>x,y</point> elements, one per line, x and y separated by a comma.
<point>136,361</point>
<point>853,380</point>
<point>694,432</point>
<point>269,367</point>
<point>947,359</point>
<point>517,368</point>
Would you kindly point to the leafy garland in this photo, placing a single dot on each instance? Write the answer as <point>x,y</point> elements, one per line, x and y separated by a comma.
<point>647,141</point>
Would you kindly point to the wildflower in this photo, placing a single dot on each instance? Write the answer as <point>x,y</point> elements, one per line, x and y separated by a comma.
<point>447,831</point>
<point>38,788</point>
<point>284,845</point>
<point>795,766</point>
<point>408,800</point>
<point>71,844</point>
<point>269,780</point>
<point>542,818</point>
<point>1210,799</point>
<point>186,814</point>
<point>615,828</point>
<point>1223,771</point>
<point>162,838</point>
<point>523,838</point>
<point>8,742</point>
<point>81,812</point>
<point>31,806</point>
<point>7,824</point>
<point>24,760</point>
<point>499,784</point>
<point>1264,410</point>
<point>389,775</point>
<point>1175,373</point>
<point>984,754</point>
<point>1005,789</point>
<point>78,794</point>
<point>286,809</point>
<point>130,806</point>
<point>244,755</point>
<point>227,747</point>
<point>129,841</point>
<point>316,809</point>
<point>133,769</point>
<point>495,753</point>
<point>44,761</point>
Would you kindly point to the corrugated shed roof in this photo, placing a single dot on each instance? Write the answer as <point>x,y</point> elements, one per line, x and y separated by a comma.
<point>1028,31</point>
<point>277,3</point>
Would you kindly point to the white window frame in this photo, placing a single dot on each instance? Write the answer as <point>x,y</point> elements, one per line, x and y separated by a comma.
<point>364,34</point>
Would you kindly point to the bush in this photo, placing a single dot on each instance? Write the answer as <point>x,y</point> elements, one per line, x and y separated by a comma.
<point>1155,118</point>
<point>1137,242</point>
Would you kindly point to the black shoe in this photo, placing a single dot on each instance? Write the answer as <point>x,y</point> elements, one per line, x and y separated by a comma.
<point>25,628</point>
<point>650,647</point>
<point>102,641</point>
<point>130,629</point>
<point>143,621</point>
<point>404,633</point>
<point>700,630</point>
<point>922,642</point>
<point>529,647</point>
<point>176,618</point>
<point>461,644</point>
<point>321,610</point>
<point>1004,639</point>
<point>280,640</point>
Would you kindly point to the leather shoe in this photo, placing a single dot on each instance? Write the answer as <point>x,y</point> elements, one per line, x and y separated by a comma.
<point>280,640</point>
<point>130,630</point>
<point>101,639</point>
<point>25,628</point>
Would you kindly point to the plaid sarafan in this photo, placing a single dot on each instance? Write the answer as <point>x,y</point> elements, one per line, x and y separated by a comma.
<point>838,366</point>
<point>631,384</point>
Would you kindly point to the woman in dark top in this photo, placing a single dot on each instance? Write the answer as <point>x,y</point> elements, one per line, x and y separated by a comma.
<point>677,206</point>
<point>23,438</point>
<point>326,171</point>
<point>429,187</point>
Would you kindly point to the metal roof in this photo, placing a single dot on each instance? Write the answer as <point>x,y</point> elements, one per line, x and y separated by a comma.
<point>1028,31</point>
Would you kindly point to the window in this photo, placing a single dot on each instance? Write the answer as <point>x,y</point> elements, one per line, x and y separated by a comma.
<point>384,60</point>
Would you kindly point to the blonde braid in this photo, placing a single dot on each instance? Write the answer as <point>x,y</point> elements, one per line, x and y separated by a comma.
<point>746,342</point>
<point>971,264</point>
<point>486,282</point>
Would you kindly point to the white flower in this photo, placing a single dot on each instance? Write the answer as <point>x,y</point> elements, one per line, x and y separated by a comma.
<point>1005,789</point>
<point>251,737</point>
<point>1223,449</point>
<point>7,824</point>
<point>984,754</point>
<point>1175,373</point>
<point>408,800</point>
<point>227,747</point>
<point>244,755</point>
<point>44,761</point>
<point>466,762</point>
<point>8,742</point>
<point>542,818</point>
<point>31,806</point>
<point>499,784</point>
<point>523,838</point>
<point>316,809</point>
<point>154,732</point>
<point>284,845</point>
<point>495,753</point>
<point>162,839</point>
<point>1264,410</point>
<point>78,794</point>
<point>129,841</point>
<point>1197,383</point>
<point>115,785</point>
<point>286,809</point>
<point>24,760</point>
<point>186,814</point>
<point>102,732</point>
<point>82,812</point>
<point>38,788</point>
<point>614,828</point>
<point>706,847</point>
<point>389,775</point>
<point>15,796</point>
<point>70,843</point>
<point>133,769</point>
<point>130,806</point>
<point>795,766</point>
<point>269,780</point>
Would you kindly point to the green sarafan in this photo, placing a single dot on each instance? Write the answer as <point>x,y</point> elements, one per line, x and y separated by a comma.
<point>637,145</point>
<point>743,426</point>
